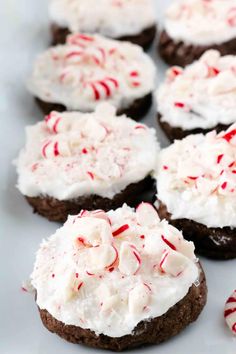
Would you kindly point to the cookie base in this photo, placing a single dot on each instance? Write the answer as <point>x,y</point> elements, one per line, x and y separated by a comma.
<point>57,210</point>
<point>136,110</point>
<point>215,243</point>
<point>178,53</point>
<point>149,332</point>
<point>144,38</point>
<point>176,133</point>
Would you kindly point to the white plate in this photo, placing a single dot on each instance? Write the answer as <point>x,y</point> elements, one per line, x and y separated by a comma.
<point>24,33</point>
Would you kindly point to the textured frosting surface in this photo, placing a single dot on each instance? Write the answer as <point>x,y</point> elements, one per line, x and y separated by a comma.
<point>202,95</point>
<point>108,271</point>
<point>201,22</point>
<point>196,178</point>
<point>92,69</point>
<point>112,18</point>
<point>74,154</point>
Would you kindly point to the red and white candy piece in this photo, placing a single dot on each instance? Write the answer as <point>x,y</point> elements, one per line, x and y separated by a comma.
<point>79,39</point>
<point>146,215</point>
<point>230,135</point>
<point>105,88</point>
<point>53,149</point>
<point>173,72</point>
<point>173,263</point>
<point>91,231</point>
<point>230,312</point>
<point>95,55</point>
<point>121,231</point>
<point>101,257</point>
<point>134,78</point>
<point>54,122</point>
<point>139,298</point>
<point>172,238</point>
<point>129,259</point>
<point>99,214</point>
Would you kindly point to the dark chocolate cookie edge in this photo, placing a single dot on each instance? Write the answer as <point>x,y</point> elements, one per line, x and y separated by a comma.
<point>215,243</point>
<point>177,133</point>
<point>136,110</point>
<point>144,38</point>
<point>182,54</point>
<point>57,210</point>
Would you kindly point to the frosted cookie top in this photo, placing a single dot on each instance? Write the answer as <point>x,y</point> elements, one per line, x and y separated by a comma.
<point>196,178</point>
<point>202,95</point>
<point>108,271</point>
<point>201,22</point>
<point>74,154</point>
<point>112,18</point>
<point>92,69</point>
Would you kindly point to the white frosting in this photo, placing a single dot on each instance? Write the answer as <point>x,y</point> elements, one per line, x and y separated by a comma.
<point>92,69</point>
<point>112,18</point>
<point>108,271</point>
<point>201,22</point>
<point>196,178</point>
<point>202,95</point>
<point>72,154</point>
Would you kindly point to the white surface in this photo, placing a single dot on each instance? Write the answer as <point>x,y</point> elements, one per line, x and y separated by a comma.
<point>24,33</point>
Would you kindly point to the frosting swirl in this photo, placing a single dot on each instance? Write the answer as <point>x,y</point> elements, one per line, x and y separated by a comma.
<point>72,154</point>
<point>202,95</point>
<point>135,266</point>
<point>112,18</point>
<point>196,178</point>
<point>92,69</point>
<point>201,22</point>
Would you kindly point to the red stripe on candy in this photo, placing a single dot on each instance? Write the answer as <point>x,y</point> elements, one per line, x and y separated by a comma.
<point>86,38</point>
<point>229,312</point>
<point>219,158</point>
<point>44,149</point>
<point>106,87</point>
<point>228,136</point>
<point>115,82</point>
<point>163,260</point>
<point>54,128</point>
<point>168,243</point>
<point>73,54</point>
<point>234,327</point>
<point>231,299</point>
<point>96,92</point>
<point>179,104</point>
<point>91,175</point>
<point>56,151</point>
<point>224,185</point>
<point>134,74</point>
<point>120,230</point>
<point>79,286</point>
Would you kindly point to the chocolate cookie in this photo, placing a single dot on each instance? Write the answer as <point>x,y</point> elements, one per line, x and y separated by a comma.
<point>174,133</point>
<point>88,70</point>
<point>149,332</point>
<point>216,243</point>
<point>57,210</point>
<point>75,161</point>
<point>199,98</point>
<point>182,54</point>
<point>136,111</point>
<point>144,39</point>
